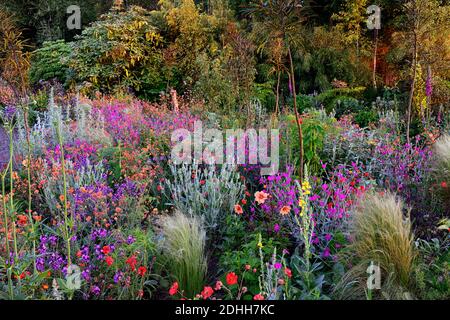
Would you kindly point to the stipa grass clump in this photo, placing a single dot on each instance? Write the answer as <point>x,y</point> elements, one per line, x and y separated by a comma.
<point>441,172</point>
<point>380,235</point>
<point>184,252</point>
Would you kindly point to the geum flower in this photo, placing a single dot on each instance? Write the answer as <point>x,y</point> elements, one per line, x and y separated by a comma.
<point>131,261</point>
<point>142,270</point>
<point>231,278</point>
<point>207,292</point>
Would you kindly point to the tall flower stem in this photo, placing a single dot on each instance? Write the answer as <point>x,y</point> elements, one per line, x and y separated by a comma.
<point>11,186</point>
<point>5,213</point>
<point>66,213</point>
<point>30,216</point>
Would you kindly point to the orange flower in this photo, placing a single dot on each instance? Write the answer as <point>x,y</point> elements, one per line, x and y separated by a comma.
<point>61,198</point>
<point>261,197</point>
<point>238,209</point>
<point>285,210</point>
<point>106,249</point>
<point>22,220</point>
<point>45,286</point>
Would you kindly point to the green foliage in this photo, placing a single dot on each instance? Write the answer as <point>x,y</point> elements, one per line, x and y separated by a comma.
<point>327,58</point>
<point>314,127</point>
<point>50,62</point>
<point>246,253</point>
<point>305,102</point>
<point>347,97</point>
<point>365,117</point>
<point>432,272</point>
<point>120,51</point>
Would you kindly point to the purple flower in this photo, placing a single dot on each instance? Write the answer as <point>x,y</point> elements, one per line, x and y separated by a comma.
<point>131,240</point>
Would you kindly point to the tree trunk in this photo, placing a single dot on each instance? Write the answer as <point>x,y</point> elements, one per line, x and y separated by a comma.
<point>297,116</point>
<point>413,85</point>
<point>277,104</point>
<point>374,74</point>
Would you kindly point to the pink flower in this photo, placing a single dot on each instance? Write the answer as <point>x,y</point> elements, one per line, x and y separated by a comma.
<point>218,286</point>
<point>258,297</point>
<point>173,289</point>
<point>261,197</point>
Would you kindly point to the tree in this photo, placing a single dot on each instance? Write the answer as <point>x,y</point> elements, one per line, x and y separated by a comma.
<point>350,22</point>
<point>281,21</point>
<point>425,21</point>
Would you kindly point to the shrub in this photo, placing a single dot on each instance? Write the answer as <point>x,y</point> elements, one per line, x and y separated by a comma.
<point>50,62</point>
<point>329,98</point>
<point>365,117</point>
<point>381,235</point>
<point>184,251</point>
<point>118,52</point>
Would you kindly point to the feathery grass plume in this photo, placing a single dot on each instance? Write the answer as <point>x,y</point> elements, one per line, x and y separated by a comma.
<point>184,251</point>
<point>440,176</point>
<point>380,235</point>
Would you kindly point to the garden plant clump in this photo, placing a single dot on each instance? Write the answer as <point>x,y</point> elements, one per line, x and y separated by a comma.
<point>95,203</point>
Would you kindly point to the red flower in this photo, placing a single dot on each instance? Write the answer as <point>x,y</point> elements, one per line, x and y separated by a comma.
<point>288,272</point>
<point>173,289</point>
<point>142,270</point>
<point>232,278</point>
<point>258,297</point>
<point>207,292</point>
<point>106,250</point>
<point>444,185</point>
<point>131,261</point>
<point>109,260</point>
<point>22,220</point>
